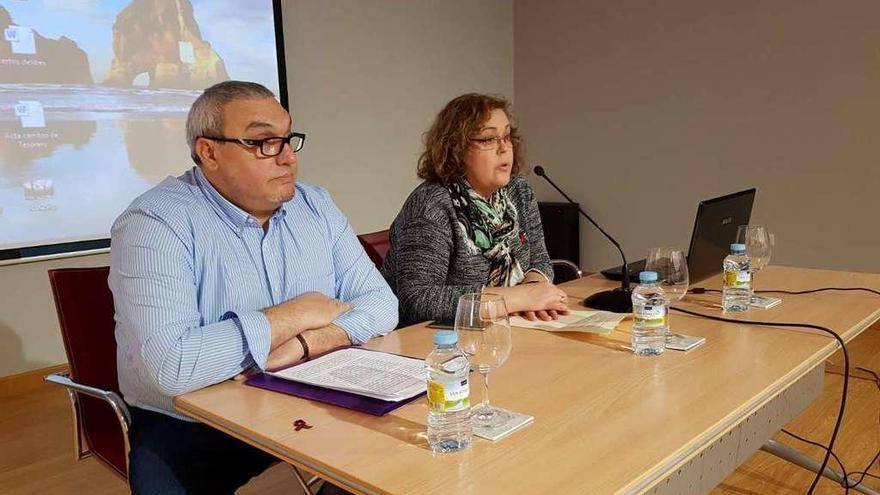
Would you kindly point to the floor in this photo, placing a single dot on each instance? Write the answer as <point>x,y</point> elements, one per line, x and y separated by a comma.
<point>858,440</point>
<point>36,442</point>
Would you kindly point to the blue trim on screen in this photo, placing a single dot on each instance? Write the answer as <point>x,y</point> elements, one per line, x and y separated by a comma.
<point>279,52</point>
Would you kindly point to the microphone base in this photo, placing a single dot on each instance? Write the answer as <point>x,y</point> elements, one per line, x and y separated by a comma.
<point>618,300</point>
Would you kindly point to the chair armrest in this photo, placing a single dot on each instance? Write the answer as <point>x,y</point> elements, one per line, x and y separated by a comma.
<point>110,397</point>
<point>568,264</point>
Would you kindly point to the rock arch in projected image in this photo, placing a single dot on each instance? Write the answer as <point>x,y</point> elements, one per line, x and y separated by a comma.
<point>161,38</point>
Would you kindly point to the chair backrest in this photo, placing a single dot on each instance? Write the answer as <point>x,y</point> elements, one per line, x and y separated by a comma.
<point>564,271</point>
<point>85,313</point>
<point>376,244</point>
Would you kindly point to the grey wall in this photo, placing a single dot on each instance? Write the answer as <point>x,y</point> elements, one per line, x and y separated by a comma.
<point>365,80</point>
<point>29,335</point>
<point>640,109</point>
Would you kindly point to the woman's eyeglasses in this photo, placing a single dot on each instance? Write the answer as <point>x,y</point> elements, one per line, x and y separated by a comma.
<point>493,143</point>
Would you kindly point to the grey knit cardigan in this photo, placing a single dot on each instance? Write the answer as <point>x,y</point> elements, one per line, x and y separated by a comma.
<point>430,262</point>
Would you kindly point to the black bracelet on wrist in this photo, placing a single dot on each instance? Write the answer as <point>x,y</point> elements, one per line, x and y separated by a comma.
<point>305,346</point>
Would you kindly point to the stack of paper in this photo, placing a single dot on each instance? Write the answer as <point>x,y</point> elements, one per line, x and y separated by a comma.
<point>361,371</point>
<point>575,321</point>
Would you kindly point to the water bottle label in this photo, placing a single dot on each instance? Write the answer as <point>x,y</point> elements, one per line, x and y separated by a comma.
<point>448,396</point>
<point>738,279</point>
<point>651,316</point>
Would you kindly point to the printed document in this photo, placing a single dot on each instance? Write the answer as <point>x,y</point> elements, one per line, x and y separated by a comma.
<point>361,371</point>
<point>575,321</point>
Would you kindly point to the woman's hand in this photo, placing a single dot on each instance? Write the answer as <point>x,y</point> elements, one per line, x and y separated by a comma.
<point>533,300</point>
<point>533,276</point>
<point>548,315</point>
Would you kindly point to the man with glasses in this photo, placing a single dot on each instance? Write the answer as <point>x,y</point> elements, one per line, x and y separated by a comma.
<point>231,266</point>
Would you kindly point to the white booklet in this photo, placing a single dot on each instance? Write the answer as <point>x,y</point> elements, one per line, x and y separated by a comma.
<point>575,321</point>
<point>361,371</point>
<point>765,302</point>
<point>514,422</point>
<point>683,342</point>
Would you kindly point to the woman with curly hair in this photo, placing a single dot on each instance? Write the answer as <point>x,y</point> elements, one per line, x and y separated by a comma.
<point>473,224</point>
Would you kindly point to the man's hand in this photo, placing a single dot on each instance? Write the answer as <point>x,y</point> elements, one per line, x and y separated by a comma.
<point>304,312</point>
<point>319,340</point>
<point>284,355</point>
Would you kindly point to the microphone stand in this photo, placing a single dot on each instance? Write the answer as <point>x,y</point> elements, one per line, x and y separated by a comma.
<point>617,300</point>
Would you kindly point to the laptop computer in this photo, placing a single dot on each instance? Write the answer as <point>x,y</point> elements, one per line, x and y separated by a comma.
<point>714,231</point>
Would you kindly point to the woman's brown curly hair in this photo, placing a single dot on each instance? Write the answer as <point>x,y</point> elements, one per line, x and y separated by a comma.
<point>449,138</point>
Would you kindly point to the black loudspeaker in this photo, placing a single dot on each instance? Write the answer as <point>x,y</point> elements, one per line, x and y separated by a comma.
<point>561,230</point>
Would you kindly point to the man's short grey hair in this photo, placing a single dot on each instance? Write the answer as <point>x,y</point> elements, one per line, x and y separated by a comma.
<point>206,114</point>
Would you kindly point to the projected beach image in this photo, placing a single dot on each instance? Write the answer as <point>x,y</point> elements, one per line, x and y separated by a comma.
<point>94,96</point>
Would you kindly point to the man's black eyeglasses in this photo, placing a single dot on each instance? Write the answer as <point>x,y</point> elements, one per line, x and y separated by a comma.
<point>268,146</point>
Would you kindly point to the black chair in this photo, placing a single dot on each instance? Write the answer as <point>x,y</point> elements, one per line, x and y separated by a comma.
<point>565,271</point>
<point>101,418</point>
<point>376,244</point>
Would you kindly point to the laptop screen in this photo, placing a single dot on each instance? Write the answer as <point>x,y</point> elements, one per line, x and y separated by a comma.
<point>715,230</point>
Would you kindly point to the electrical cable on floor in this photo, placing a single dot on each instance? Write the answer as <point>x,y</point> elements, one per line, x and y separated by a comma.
<point>840,341</point>
<point>843,483</point>
<point>846,375</point>
<point>875,377</point>
<point>872,373</point>
<point>853,376</point>
<point>865,472</point>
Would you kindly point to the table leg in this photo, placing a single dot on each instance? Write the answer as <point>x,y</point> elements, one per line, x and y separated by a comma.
<point>799,458</point>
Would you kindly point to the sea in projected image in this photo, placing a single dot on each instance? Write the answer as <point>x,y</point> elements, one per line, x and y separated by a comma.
<point>64,97</point>
<point>73,162</point>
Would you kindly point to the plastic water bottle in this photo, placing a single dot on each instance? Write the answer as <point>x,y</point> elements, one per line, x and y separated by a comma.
<point>736,294</point>
<point>449,405</point>
<point>649,316</point>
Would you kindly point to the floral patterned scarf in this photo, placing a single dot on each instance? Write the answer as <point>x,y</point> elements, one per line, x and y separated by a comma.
<point>491,225</point>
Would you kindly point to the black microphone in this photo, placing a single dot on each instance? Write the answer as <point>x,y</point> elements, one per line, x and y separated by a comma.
<point>618,300</point>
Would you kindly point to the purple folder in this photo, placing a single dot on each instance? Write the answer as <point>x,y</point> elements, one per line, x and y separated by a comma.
<point>348,400</point>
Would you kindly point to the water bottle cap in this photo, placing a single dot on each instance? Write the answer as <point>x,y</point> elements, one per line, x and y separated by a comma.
<point>737,248</point>
<point>647,276</point>
<point>445,337</point>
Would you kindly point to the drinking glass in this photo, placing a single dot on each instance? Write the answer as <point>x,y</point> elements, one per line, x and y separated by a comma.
<point>484,336</point>
<point>672,271</point>
<point>759,246</point>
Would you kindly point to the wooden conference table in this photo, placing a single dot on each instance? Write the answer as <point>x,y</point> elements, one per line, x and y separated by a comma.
<point>606,421</point>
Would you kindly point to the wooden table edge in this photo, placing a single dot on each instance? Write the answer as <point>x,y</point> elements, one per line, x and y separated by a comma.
<point>276,449</point>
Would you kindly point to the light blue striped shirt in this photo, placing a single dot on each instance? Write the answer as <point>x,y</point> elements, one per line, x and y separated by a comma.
<point>190,273</point>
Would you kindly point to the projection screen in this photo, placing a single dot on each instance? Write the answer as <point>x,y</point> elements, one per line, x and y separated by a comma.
<point>93,101</point>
